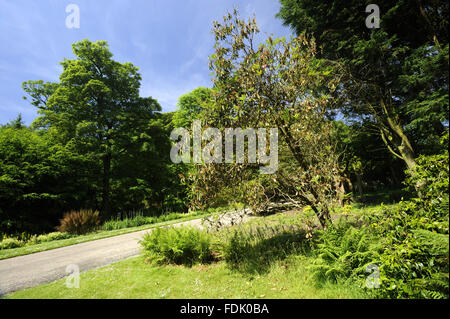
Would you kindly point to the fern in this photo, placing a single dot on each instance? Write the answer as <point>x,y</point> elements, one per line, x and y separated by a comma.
<point>343,252</point>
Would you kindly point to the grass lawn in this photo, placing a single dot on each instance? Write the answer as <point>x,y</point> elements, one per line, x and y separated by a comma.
<point>135,279</point>
<point>9,253</point>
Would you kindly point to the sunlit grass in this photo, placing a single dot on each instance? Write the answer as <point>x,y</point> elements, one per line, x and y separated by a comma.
<point>134,279</point>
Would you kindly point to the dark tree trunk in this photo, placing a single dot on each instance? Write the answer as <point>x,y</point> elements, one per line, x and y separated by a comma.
<point>323,215</point>
<point>359,184</point>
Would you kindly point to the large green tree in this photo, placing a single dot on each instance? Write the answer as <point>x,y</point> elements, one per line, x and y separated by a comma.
<point>96,105</point>
<point>397,74</point>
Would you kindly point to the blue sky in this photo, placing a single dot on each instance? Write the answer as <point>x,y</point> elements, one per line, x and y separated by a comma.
<point>169,41</point>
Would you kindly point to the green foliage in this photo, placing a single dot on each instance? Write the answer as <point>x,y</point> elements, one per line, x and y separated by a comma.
<point>96,144</point>
<point>27,239</point>
<point>427,103</point>
<point>96,106</point>
<point>52,236</point>
<point>79,222</point>
<point>139,219</point>
<point>430,177</point>
<point>8,243</point>
<point>344,252</point>
<point>190,106</point>
<point>177,245</point>
<point>16,123</point>
<point>38,179</point>
<point>135,221</point>
<point>415,261</point>
<point>23,157</point>
<point>398,78</point>
<point>366,160</point>
<point>174,190</point>
<point>408,242</point>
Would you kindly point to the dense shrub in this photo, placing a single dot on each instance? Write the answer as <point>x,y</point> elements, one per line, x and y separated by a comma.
<point>38,179</point>
<point>26,239</point>
<point>79,222</point>
<point>415,260</point>
<point>416,267</point>
<point>408,243</point>
<point>52,236</point>
<point>430,177</point>
<point>9,243</point>
<point>177,245</point>
<point>126,222</point>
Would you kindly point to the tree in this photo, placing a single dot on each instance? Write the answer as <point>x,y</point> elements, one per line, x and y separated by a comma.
<point>280,84</point>
<point>174,189</point>
<point>190,106</point>
<point>95,105</point>
<point>397,74</point>
<point>17,122</point>
<point>24,164</point>
<point>38,180</point>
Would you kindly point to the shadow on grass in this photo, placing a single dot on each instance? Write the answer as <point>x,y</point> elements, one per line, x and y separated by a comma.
<point>255,256</point>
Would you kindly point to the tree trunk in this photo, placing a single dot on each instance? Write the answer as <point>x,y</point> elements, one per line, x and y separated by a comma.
<point>340,190</point>
<point>405,150</point>
<point>106,185</point>
<point>394,134</point>
<point>407,154</point>
<point>359,184</point>
<point>323,216</point>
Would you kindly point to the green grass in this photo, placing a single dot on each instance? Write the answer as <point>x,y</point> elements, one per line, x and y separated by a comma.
<point>359,209</point>
<point>9,253</point>
<point>135,279</point>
